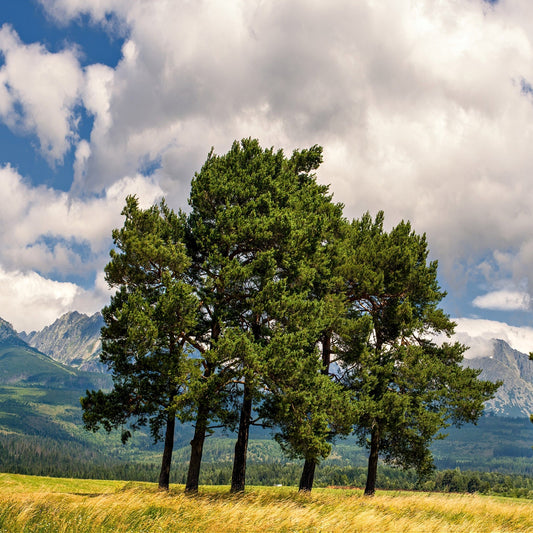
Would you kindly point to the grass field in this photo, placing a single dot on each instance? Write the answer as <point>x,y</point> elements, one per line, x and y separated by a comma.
<point>37,504</point>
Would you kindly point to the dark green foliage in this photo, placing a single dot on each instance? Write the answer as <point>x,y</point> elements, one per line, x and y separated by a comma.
<point>268,282</point>
<point>143,340</point>
<point>406,387</point>
<point>517,486</point>
<point>257,230</point>
<point>495,444</point>
<point>49,457</point>
<point>146,328</point>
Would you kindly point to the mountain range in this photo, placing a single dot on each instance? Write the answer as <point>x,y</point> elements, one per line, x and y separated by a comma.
<point>44,373</point>
<point>74,340</point>
<point>23,365</point>
<point>515,396</point>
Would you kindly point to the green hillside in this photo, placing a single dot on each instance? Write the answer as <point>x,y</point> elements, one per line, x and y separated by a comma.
<point>39,396</point>
<point>22,365</point>
<point>41,432</point>
<point>40,416</point>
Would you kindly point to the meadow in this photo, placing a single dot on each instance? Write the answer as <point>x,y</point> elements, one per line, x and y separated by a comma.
<point>41,505</point>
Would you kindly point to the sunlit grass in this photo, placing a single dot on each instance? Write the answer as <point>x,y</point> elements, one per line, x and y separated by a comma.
<point>36,504</point>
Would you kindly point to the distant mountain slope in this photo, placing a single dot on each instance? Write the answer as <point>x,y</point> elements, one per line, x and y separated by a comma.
<point>40,396</point>
<point>73,339</point>
<point>8,336</point>
<point>515,396</point>
<point>24,365</point>
<point>39,399</point>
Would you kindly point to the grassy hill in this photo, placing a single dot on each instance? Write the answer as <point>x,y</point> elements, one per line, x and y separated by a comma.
<point>40,418</point>
<point>497,443</point>
<point>39,396</point>
<point>23,365</point>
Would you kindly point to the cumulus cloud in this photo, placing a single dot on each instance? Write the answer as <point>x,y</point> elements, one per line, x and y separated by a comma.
<point>38,92</point>
<point>65,10</point>
<point>504,301</point>
<point>478,334</point>
<point>423,123</point>
<point>83,152</point>
<point>422,108</point>
<point>49,231</point>
<point>46,236</point>
<point>30,301</point>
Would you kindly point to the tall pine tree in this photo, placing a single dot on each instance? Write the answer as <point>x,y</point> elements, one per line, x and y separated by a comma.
<point>146,327</point>
<point>406,388</point>
<point>257,221</point>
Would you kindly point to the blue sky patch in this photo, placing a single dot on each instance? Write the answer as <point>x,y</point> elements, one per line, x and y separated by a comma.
<point>32,25</point>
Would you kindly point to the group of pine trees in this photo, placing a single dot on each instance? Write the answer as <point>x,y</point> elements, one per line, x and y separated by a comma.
<point>265,305</point>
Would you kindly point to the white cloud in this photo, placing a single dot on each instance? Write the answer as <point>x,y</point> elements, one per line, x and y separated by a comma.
<point>66,10</point>
<point>504,300</point>
<point>49,231</point>
<point>31,302</point>
<point>46,234</point>
<point>83,152</point>
<point>432,108</point>
<point>90,301</point>
<point>420,107</point>
<point>478,333</point>
<point>38,92</point>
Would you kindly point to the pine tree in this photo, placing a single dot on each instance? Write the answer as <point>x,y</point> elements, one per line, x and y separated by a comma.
<point>146,328</point>
<point>256,223</point>
<point>325,411</point>
<point>406,388</point>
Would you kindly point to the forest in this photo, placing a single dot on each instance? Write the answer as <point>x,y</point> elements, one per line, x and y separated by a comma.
<point>263,305</point>
<point>44,456</point>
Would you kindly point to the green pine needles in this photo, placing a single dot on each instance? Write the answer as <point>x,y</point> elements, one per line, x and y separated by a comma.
<point>264,305</point>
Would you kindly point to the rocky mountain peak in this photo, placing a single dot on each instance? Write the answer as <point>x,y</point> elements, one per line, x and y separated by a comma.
<point>73,339</point>
<point>501,362</point>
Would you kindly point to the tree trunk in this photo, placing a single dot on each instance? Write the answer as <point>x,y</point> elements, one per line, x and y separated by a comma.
<point>197,442</point>
<point>308,476</point>
<point>326,353</point>
<point>164,476</point>
<point>371,477</point>
<point>308,472</point>
<point>197,447</point>
<point>238,477</point>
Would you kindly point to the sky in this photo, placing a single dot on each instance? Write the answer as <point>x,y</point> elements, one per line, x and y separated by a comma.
<point>424,109</point>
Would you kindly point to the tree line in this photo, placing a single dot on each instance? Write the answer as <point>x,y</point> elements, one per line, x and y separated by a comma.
<point>43,456</point>
<point>265,305</point>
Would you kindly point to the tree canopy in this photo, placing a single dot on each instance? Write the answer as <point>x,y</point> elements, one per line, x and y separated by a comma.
<point>406,387</point>
<point>258,225</point>
<point>264,305</point>
<point>146,328</point>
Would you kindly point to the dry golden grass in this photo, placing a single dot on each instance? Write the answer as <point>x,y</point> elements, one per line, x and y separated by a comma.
<point>35,505</point>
